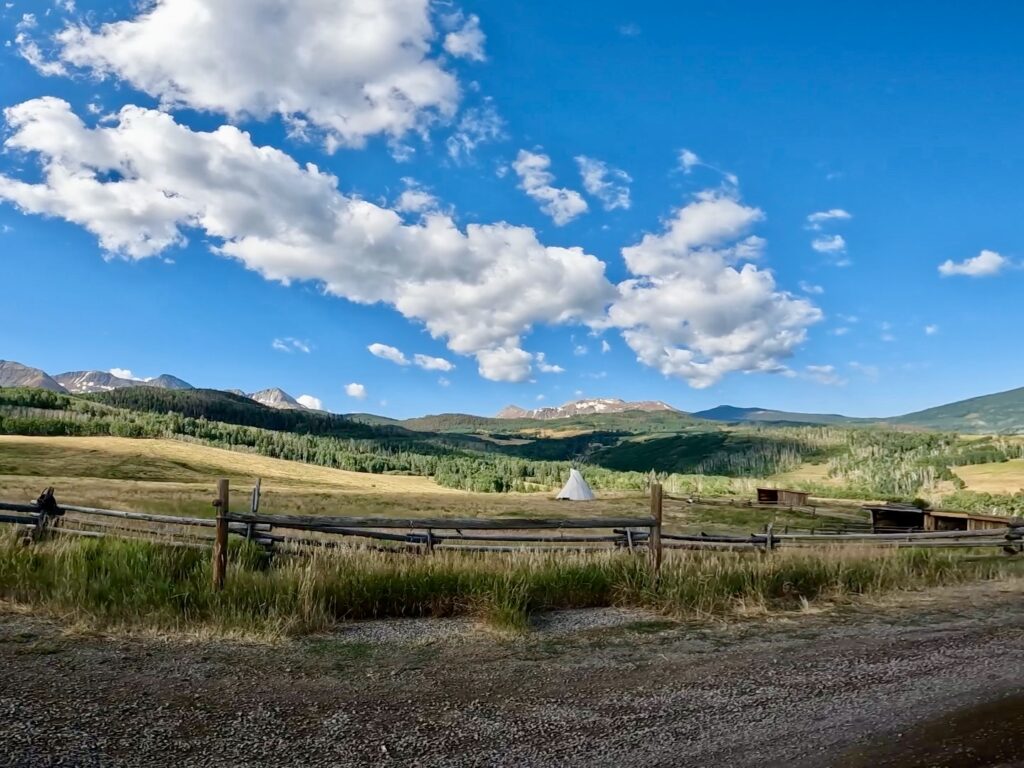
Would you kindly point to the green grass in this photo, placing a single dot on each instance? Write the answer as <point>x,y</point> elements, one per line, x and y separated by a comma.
<point>111,583</point>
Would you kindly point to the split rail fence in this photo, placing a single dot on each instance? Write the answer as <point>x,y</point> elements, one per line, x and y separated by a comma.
<point>46,518</point>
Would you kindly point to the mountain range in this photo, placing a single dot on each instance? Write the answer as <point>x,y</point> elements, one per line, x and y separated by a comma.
<point>14,374</point>
<point>999,413</point>
<point>583,408</point>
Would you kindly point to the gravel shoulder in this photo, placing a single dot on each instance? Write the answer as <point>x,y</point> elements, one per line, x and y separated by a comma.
<point>935,679</point>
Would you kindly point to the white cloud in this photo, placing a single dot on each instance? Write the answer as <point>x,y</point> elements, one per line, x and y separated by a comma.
<point>124,373</point>
<point>444,382</point>
<point>692,235</point>
<point>313,403</point>
<point>580,350</point>
<point>984,264</point>
<point>605,346</point>
<point>810,288</point>
<point>415,198</point>
<point>698,312</point>
<point>607,184</point>
<point>824,374</point>
<point>688,160</point>
<point>5,229</point>
<point>561,204</point>
<point>29,50</point>
<point>506,363</point>
<point>358,391</point>
<point>477,126</point>
<point>351,68</point>
<point>545,367</point>
<point>931,330</point>
<point>816,220</point>
<point>288,344</point>
<point>467,42</point>
<point>840,331</point>
<point>386,352</point>
<point>428,363</point>
<point>140,181</point>
<point>831,244</point>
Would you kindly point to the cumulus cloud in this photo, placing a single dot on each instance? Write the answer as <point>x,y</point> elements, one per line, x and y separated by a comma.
<point>349,68</point>
<point>816,220</point>
<point>386,352</point>
<point>696,310</point>
<point>507,363</point>
<point>124,373</point>
<point>467,41</point>
<point>561,204</point>
<point>984,264</point>
<point>833,246</point>
<point>288,344</point>
<point>415,198</point>
<point>545,367</point>
<point>605,346</point>
<point>358,391</point>
<point>140,181</point>
<point>829,244</point>
<point>607,184</point>
<point>313,403</point>
<point>931,330</point>
<point>696,233</point>
<point>428,363</point>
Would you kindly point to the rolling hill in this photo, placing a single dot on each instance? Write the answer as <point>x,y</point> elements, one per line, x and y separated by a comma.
<point>732,414</point>
<point>1002,412</point>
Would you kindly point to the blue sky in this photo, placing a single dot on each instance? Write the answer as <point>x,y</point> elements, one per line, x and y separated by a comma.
<point>157,212</point>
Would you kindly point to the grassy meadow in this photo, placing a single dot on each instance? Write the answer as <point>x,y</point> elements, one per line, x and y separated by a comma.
<point>129,584</point>
<point>175,477</point>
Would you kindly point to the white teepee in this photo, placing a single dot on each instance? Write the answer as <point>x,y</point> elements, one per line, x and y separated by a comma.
<point>576,488</point>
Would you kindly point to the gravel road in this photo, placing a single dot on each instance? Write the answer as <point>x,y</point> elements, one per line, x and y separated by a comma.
<point>937,680</point>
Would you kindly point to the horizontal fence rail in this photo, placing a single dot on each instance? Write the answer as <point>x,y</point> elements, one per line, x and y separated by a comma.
<point>45,518</point>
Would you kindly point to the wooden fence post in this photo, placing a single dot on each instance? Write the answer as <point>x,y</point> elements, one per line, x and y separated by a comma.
<point>654,539</point>
<point>769,539</point>
<point>220,543</point>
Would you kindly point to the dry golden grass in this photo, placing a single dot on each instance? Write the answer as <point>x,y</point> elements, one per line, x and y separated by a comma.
<point>171,477</point>
<point>179,478</point>
<point>1002,477</point>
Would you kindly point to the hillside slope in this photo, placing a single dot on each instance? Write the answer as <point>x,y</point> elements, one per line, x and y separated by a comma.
<point>732,413</point>
<point>17,375</point>
<point>1002,412</point>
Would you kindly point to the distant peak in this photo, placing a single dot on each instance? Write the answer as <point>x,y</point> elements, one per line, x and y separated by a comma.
<point>585,407</point>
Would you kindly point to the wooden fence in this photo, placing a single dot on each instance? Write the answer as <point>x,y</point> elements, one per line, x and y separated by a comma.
<point>277,533</point>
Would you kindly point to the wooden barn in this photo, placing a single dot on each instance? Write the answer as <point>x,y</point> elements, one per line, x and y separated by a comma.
<point>781,497</point>
<point>887,518</point>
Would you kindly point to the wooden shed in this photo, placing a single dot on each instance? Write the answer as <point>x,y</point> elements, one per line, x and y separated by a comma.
<point>937,520</point>
<point>890,518</point>
<point>887,518</point>
<point>782,498</point>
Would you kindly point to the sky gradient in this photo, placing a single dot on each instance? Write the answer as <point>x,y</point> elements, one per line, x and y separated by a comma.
<point>800,207</point>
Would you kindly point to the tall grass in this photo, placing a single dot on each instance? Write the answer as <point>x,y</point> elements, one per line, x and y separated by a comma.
<point>131,583</point>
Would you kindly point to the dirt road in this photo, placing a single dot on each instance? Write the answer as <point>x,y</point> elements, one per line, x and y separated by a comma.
<point>937,681</point>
